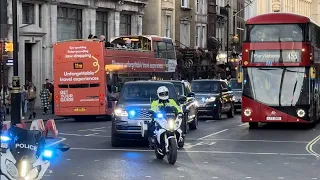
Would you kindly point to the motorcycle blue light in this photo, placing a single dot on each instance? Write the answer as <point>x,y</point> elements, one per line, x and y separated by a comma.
<point>159,115</point>
<point>5,139</point>
<point>203,99</point>
<point>47,153</point>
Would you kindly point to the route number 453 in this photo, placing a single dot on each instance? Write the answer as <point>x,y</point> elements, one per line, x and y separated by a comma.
<point>293,56</point>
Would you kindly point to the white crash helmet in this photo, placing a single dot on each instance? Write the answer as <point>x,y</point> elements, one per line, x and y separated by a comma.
<point>163,93</point>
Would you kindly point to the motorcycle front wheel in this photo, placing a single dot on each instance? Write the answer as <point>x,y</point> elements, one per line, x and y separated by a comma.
<point>173,151</point>
<point>158,155</point>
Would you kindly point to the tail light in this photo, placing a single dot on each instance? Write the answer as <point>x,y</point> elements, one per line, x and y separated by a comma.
<point>101,98</point>
<point>57,100</point>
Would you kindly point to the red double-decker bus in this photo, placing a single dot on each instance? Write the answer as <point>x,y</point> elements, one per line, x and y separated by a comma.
<point>280,69</point>
<point>88,74</point>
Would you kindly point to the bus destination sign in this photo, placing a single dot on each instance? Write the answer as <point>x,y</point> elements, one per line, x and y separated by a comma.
<point>265,56</point>
<point>78,65</point>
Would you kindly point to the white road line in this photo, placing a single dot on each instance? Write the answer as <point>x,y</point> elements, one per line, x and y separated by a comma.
<point>188,151</point>
<point>57,142</point>
<point>92,129</point>
<point>213,134</point>
<point>244,124</point>
<point>81,135</point>
<point>247,140</point>
<point>91,134</point>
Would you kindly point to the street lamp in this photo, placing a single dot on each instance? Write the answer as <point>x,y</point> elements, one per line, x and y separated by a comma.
<point>227,7</point>
<point>15,94</point>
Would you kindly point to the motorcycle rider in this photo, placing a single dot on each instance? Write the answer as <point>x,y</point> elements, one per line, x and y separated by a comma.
<point>163,100</point>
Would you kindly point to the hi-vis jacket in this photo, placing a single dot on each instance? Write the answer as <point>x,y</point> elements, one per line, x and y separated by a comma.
<point>155,105</point>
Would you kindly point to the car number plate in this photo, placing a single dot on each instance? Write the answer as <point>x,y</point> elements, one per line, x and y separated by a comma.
<point>4,145</point>
<point>79,109</point>
<point>274,118</point>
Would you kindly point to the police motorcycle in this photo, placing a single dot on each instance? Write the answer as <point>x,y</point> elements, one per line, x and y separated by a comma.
<point>167,132</point>
<point>24,155</point>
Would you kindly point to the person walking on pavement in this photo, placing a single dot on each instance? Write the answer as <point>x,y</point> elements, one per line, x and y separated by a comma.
<point>24,95</point>
<point>2,113</point>
<point>32,96</point>
<point>44,96</point>
<point>50,87</point>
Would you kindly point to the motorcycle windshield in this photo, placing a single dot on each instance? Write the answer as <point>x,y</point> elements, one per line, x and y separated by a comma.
<point>168,112</point>
<point>24,143</point>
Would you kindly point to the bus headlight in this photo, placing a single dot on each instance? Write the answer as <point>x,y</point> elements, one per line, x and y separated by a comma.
<point>301,113</point>
<point>247,112</point>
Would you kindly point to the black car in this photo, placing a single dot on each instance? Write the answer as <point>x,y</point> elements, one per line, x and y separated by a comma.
<point>236,88</point>
<point>133,107</point>
<point>183,89</point>
<point>214,98</point>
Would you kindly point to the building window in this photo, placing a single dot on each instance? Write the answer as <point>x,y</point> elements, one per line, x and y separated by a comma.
<point>102,23</point>
<point>185,3</point>
<point>185,35</point>
<point>200,36</point>
<point>198,6</point>
<point>28,13</point>
<point>40,15</point>
<point>125,24</point>
<point>69,24</point>
<point>168,26</point>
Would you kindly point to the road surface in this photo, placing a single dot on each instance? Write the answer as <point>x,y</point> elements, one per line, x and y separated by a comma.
<point>224,149</point>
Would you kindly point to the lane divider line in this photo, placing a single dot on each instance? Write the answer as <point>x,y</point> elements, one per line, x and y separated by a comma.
<point>213,134</point>
<point>54,143</point>
<point>309,147</point>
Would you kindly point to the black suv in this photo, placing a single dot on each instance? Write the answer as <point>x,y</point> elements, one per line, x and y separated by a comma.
<point>236,88</point>
<point>183,89</point>
<point>214,98</point>
<point>133,107</point>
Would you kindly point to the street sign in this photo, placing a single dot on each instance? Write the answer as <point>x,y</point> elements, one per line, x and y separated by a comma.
<point>9,62</point>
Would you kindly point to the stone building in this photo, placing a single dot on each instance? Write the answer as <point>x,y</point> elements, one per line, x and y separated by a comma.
<point>42,23</point>
<point>159,18</point>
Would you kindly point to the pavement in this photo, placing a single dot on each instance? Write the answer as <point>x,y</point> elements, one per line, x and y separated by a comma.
<point>39,115</point>
<point>220,149</point>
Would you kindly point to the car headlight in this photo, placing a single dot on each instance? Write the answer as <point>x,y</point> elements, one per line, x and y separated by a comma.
<point>171,125</point>
<point>301,113</point>
<point>33,174</point>
<point>120,112</point>
<point>211,99</point>
<point>12,169</point>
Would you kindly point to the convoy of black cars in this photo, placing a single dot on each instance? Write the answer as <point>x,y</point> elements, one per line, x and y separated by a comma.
<point>209,97</point>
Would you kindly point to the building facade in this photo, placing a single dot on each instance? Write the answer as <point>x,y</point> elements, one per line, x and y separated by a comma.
<point>159,18</point>
<point>42,23</point>
<point>191,23</point>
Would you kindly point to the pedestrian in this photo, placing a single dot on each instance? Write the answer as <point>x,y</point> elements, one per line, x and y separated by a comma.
<point>50,87</point>
<point>31,96</point>
<point>24,95</point>
<point>2,114</point>
<point>44,96</point>
<point>90,36</point>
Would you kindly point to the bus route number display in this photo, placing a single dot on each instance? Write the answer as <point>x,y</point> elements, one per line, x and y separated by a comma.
<point>78,65</point>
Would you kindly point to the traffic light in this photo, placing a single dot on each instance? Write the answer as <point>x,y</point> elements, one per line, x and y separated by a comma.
<point>8,47</point>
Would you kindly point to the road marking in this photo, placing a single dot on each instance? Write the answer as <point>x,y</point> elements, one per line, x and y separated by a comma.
<point>309,147</point>
<point>93,129</point>
<point>208,121</point>
<point>190,151</point>
<point>244,124</point>
<point>81,135</point>
<point>213,134</point>
<point>91,134</point>
<point>57,142</point>
<point>248,140</point>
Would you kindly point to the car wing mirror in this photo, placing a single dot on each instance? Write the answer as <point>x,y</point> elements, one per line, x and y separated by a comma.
<point>63,147</point>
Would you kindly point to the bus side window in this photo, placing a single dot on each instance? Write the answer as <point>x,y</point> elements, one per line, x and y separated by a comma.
<point>170,51</point>
<point>162,47</point>
<point>155,49</point>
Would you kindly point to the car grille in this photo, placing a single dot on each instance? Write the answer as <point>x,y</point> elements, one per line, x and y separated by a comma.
<point>143,114</point>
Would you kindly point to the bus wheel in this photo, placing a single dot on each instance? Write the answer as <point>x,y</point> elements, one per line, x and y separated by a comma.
<point>253,125</point>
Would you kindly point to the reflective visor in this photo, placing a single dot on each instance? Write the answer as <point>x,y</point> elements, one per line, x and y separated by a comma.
<point>164,94</point>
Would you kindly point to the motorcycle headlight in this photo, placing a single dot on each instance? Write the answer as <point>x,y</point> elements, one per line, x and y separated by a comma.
<point>24,168</point>
<point>12,169</point>
<point>211,99</point>
<point>171,124</point>
<point>120,112</point>
<point>33,174</point>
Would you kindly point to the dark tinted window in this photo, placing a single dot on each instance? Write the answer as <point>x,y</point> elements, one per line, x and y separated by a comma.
<point>144,92</point>
<point>179,87</point>
<point>234,84</point>
<point>206,86</point>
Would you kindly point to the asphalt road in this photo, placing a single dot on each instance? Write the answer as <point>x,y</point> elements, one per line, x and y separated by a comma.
<point>224,149</point>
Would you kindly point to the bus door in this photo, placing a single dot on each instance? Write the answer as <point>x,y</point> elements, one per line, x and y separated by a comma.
<point>112,91</point>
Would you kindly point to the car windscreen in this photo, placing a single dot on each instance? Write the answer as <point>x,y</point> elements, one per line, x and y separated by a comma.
<point>179,88</point>
<point>144,92</point>
<point>206,86</point>
<point>234,85</point>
